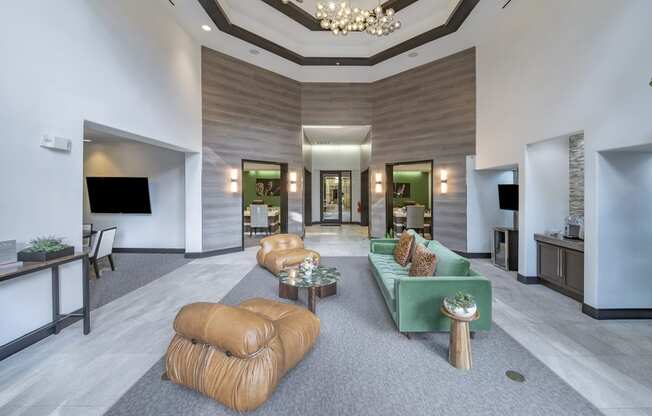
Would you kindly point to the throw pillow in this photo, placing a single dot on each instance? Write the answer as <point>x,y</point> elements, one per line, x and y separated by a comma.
<point>424,262</point>
<point>403,249</point>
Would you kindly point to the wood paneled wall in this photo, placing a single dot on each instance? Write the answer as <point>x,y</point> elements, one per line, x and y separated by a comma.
<point>248,113</point>
<point>336,104</point>
<point>428,113</point>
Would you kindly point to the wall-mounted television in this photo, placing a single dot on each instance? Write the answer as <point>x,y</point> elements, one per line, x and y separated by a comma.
<point>118,195</point>
<point>508,197</point>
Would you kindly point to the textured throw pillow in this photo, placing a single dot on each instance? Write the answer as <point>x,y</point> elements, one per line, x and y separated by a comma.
<point>403,250</point>
<point>424,262</point>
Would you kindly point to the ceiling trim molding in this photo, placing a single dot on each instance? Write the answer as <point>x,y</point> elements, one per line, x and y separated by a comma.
<point>455,21</point>
<point>299,15</point>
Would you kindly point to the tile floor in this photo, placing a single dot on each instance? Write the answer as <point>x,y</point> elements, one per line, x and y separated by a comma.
<point>608,362</point>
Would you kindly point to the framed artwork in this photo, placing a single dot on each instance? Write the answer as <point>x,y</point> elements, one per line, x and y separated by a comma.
<point>268,187</point>
<point>401,190</point>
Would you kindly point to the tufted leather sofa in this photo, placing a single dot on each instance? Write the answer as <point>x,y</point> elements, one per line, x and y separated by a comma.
<point>237,355</point>
<point>282,251</point>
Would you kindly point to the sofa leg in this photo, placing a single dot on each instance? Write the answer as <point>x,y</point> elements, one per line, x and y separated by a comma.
<point>165,376</point>
<point>407,335</point>
<point>472,334</point>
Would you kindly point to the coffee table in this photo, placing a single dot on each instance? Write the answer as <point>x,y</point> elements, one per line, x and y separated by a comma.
<point>322,283</point>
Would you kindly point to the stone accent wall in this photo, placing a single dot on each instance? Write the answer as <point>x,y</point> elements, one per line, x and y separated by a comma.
<point>576,174</point>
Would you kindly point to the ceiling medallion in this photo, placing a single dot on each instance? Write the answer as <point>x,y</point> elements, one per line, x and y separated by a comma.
<point>340,18</point>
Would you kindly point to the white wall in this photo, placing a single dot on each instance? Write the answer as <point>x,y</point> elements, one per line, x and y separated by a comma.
<point>625,204</point>
<point>544,192</point>
<point>165,226</point>
<point>125,64</point>
<point>483,212</point>
<point>336,157</point>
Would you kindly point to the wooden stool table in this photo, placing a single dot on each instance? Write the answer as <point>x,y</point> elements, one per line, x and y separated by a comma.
<point>459,346</point>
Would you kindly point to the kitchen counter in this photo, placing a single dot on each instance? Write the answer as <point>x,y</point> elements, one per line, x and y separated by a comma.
<point>569,243</point>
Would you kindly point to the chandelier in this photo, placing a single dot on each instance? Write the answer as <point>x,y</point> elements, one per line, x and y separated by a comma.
<point>340,18</point>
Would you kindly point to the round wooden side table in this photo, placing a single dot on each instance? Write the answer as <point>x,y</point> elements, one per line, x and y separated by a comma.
<point>459,346</point>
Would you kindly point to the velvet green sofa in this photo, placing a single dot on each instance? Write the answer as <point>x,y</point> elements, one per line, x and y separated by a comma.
<point>414,302</point>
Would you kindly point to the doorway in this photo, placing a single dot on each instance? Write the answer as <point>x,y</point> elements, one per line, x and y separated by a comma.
<point>264,190</point>
<point>335,197</point>
<point>409,184</point>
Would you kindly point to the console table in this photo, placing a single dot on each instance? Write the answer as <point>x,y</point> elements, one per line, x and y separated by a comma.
<point>13,274</point>
<point>560,264</point>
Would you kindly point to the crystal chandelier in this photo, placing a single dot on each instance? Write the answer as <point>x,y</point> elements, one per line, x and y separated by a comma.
<point>341,18</point>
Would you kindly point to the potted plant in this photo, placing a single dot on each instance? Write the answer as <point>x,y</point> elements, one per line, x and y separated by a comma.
<point>45,249</point>
<point>308,265</point>
<point>462,305</point>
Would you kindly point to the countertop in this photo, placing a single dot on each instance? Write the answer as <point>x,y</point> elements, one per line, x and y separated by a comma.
<point>569,243</point>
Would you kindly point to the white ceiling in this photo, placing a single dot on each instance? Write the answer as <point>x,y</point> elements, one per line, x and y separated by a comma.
<point>336,134</point>
<point>264,20</point>
<point>191,16</point>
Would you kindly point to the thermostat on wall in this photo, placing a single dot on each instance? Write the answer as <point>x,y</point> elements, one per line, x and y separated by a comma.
<point>57,143</point>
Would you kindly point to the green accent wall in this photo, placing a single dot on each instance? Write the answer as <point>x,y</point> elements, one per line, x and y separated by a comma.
<point>250,186</point>
<point>418,187</point>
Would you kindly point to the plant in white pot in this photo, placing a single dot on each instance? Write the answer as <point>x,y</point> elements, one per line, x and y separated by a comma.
<point>462,305</point>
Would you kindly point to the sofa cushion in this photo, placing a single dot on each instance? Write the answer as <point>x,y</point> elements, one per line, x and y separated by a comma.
<point>388,271</point>
<point>448,262</point>
<point>403,249</point>
<point>424,262</point>
<point>418,238</point>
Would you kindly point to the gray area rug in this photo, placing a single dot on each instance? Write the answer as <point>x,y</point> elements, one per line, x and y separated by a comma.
<point>133,270</point>
<point>361,365</point>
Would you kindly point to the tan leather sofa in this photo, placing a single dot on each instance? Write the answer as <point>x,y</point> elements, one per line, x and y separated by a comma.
<point>237,355</point>
<point>283,251</point>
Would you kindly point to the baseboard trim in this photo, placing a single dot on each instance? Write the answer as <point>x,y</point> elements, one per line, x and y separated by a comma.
<point>149,250</point>
<point>528,280</point>
<point>473,255</point>
<point>606,314</point>
<point>204,254</point>
<point>334,224</point>
<point>38,334</point>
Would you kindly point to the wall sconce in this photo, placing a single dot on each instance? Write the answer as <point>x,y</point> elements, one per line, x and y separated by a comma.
<point>293,181</point>
<point>443,175</point>
<point>379,183</point>
<point>234,180</point>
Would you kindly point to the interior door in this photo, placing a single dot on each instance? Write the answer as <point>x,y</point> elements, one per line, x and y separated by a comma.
<point>331,196</point>
<point>364,198</point>
<point>307,197</point>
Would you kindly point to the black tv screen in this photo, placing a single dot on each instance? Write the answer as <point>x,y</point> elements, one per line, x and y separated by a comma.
<point>508,197</point>
<point>118,195</point>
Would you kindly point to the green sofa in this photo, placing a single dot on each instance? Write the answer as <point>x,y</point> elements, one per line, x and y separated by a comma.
<point>414,302</point>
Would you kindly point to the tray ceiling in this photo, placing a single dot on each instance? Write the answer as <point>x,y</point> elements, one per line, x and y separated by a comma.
<point>267,24</point>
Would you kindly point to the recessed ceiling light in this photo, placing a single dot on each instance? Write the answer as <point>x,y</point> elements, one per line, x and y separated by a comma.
<point>206,28</point>
<point>88,141</point>
<point>337,63</point>
<point>413,55</point>
<point>254,51</point>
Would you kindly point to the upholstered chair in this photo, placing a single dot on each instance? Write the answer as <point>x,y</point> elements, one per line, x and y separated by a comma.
<point>283,251</point>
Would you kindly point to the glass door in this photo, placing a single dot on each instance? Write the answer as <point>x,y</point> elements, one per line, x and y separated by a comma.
<point>336,199</point>
<point>331,209</point>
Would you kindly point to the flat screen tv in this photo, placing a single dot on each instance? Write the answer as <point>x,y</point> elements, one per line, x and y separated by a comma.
<point>118,195</point>
<point>508,197</point>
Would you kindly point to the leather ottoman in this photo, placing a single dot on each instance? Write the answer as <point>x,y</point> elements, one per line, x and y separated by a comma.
<point>237,355</point>
<point>282,251</point>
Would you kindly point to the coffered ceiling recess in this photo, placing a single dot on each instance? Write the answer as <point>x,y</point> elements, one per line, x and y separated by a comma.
<point>292,32</point>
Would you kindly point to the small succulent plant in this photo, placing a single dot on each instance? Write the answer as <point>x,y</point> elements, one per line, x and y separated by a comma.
<point>461,300</point>
<point>49,244</point>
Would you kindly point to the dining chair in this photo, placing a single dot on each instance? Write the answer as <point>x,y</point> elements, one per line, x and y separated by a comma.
<point>102,248</point>
<point>87,235</point>
<point>259,218</point>
<point>415,218</point>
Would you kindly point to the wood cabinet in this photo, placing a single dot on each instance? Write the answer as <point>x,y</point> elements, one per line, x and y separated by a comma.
<point>560,265</point>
